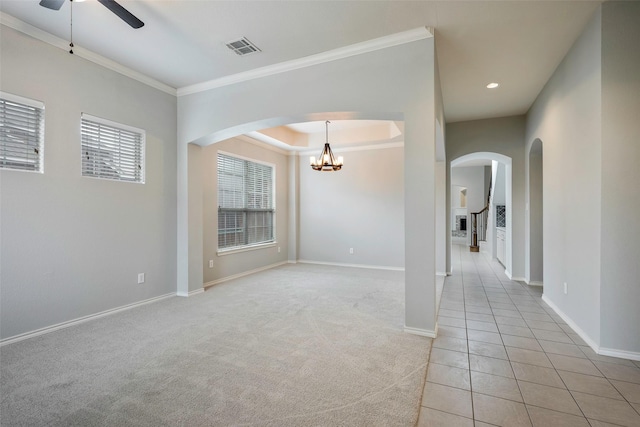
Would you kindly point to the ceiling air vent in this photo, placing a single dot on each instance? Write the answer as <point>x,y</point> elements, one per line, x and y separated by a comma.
<point>242,47</point>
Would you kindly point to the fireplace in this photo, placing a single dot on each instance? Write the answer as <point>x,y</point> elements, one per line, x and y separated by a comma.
<point>461,226</point>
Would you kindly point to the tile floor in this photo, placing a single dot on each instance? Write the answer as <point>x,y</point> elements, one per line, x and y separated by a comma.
<point>503,357</point>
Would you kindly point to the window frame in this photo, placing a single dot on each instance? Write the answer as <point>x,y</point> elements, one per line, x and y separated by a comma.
<point>39,105</point>
<point>247,246</point>
<point>119,127</point>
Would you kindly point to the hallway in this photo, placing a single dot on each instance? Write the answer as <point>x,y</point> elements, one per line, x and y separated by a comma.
<point>503,357</point>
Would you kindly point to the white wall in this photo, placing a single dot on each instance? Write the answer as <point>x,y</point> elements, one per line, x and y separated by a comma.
<point>620,232</point>
<point>503,136</point>
<point>359,207</point>
<point>566,117</point>
<point>472,178</point>
<point>488,182</point>
<point>230,264</point>
<point>73,246</point>
<point>392,83</point>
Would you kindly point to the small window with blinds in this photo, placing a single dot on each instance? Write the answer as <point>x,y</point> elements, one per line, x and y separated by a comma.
<point>111,150</point>
<point>21,133</point>
<point>245,202</point>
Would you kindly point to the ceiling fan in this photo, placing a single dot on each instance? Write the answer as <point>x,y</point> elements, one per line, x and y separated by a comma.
<point>114,7</point>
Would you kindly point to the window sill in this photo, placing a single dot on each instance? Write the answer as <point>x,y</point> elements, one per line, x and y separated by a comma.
<point>231,251</point>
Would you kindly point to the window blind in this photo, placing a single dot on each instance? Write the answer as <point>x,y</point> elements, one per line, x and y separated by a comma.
<point>245,202</point>
<point>21,133</point>
<point>111,150</point>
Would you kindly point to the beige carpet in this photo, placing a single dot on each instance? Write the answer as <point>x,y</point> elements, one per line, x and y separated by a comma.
<point>298,345</point>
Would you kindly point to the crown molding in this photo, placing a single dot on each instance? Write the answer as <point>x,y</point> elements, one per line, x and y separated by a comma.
<point>381,146</point>
<point>37,33</point>
<point>308,61</point>
<point>256,138</point>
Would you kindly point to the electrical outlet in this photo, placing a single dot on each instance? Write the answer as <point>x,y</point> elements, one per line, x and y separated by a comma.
<point>140,278</point>
<point>351,251</point>
<point>210,263</point>
<point>278,249</point>
<point>565,288</point>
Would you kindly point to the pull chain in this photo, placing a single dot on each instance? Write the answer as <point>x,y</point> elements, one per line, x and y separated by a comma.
<point>71,43</point>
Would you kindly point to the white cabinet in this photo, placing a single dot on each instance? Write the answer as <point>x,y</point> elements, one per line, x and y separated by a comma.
<point>501,247</point>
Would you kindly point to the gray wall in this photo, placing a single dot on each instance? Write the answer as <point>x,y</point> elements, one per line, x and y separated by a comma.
<point>392,83</point>
<point>534,255</point>
<point>587,120</point>
<point>73,246</point>
<point>239,262</point>
<point>620,232</point>
<point>503,136</point>
<point>566,117</point>
<point>197,167</point>
<point>359,207</point>
<point>499,196</point>
<point>441,218</point>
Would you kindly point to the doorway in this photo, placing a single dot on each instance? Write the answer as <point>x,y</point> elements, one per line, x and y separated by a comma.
<point>495,177</point>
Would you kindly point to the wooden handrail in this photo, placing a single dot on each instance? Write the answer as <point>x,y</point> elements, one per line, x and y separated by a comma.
<point>486,208</point>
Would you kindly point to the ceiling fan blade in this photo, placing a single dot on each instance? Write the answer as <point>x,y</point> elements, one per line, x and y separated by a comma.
<point>52,4</point>
<point>122,13</point>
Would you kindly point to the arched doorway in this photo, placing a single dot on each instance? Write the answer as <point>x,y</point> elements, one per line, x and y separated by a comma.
<point>501,201</point>
<point>534,271</point>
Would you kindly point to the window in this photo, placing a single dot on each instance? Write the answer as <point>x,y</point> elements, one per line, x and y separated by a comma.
<point>245,202</point>
<point>21,133</point>
<point>111,150</point>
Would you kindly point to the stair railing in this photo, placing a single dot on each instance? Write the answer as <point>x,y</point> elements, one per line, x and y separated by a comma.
<point>479,224</point>
<point>478,228</point>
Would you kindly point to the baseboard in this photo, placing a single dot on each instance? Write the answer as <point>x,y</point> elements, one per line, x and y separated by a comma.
<point>422,332</point>
<point>533,283</point>
<point>244,273</point>
<point>623,354</point>
<point>572,325</point>
<point>190,293</point>
<point>512,277</point>
<point>442,274</point>
<point>83,319</point>
<point>338,264</point>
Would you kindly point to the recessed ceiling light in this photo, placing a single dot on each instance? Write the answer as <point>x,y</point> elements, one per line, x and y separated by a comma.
<point>492,85</point>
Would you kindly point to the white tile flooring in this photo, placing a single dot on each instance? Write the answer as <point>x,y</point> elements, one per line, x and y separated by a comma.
<point>503,357</point>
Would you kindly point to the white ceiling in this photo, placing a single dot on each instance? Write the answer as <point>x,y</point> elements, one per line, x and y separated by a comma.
<point>516,43</point>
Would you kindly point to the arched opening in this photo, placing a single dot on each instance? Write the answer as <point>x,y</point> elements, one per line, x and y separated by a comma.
<point>353,226</point>
<point>487,177</point>
<point>203,116</point>
<point>535,266</point>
